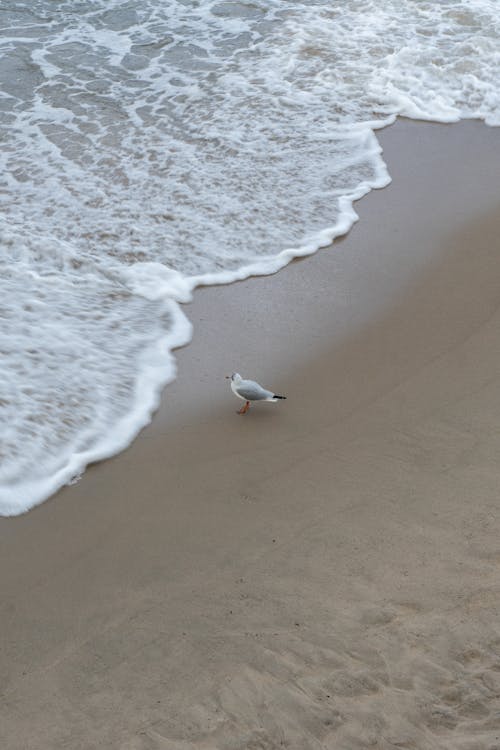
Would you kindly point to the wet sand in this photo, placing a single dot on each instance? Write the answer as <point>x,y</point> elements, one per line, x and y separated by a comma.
<point>323,572</point>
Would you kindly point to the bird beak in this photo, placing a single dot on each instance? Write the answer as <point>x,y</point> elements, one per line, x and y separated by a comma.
<point>228,377</point>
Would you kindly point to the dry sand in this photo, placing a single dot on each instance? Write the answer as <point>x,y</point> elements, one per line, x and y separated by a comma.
<point>323,572</point>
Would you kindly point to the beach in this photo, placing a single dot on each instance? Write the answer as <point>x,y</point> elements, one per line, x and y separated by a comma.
<point>321,572</point>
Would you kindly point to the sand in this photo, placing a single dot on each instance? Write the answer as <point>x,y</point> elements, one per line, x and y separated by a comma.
<point>323,572</point>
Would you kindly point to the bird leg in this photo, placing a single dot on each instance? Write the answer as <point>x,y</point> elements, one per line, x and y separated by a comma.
<point>245,408</point>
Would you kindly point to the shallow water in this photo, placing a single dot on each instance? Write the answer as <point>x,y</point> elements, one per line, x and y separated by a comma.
<point>149,147</point>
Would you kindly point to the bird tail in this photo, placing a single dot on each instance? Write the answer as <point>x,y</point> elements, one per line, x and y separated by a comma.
<point>276,396</point>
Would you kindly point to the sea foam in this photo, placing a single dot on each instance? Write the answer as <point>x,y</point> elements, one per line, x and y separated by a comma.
<point>151,147</point>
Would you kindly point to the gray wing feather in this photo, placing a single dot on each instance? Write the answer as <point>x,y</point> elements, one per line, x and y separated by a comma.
<point>252,391</point>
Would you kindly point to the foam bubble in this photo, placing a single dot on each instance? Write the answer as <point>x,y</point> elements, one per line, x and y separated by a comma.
<point>151,147</point>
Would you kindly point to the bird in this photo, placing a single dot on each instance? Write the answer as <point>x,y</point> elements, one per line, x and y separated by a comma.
<point>249,391</point>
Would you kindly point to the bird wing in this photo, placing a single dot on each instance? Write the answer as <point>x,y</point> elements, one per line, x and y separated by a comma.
<point>252,391</point>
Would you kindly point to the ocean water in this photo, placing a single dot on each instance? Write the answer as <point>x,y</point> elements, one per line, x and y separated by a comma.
<point>149,146</point>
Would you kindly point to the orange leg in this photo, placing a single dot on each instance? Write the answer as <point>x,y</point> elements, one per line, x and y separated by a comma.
<point>245,408</point>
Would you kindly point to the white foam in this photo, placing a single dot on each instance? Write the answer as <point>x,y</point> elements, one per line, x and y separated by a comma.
<point>152,147</point>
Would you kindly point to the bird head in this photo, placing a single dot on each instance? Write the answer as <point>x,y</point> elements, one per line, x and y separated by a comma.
<point>235,377</point>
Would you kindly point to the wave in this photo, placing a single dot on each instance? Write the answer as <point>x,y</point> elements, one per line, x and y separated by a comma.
<point>151,149</point>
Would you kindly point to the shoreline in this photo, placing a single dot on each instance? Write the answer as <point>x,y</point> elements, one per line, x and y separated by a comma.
<point>328,573</point>
<point>152,381</point>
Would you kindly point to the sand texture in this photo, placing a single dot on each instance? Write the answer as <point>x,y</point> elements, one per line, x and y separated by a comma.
<point>322,573</point>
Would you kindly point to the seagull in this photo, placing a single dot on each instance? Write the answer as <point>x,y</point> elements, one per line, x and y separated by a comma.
<point>249,390</point>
